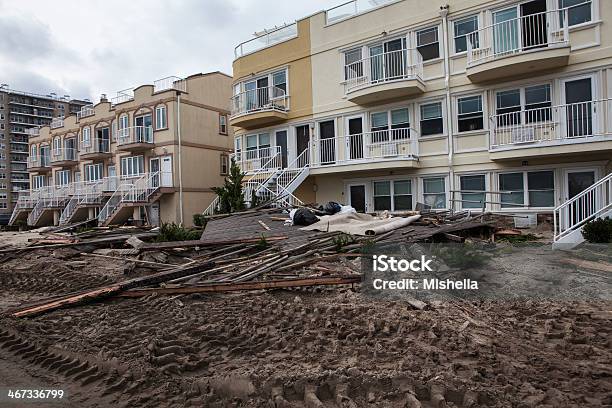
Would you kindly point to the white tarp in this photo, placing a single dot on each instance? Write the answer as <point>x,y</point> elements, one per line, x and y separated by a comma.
<point>360,224</point>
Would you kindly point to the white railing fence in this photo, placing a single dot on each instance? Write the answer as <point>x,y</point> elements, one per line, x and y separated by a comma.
<point>85,112</point>
<point>289,175</point>
<point>133,190</point>
<point>515,35</point>
<point>383,67</point>
<point>264,158</point>
<point>171,82</point>
<point>266,39</point>
<point>569,122</point>
<point>382,144</point>
<point>56,123</point>
<point>95,145</point>
<point>351,8</point>
<point>590,204</point>
<point>259,99</point>
<point>64,154</point>
<point>134,134</point>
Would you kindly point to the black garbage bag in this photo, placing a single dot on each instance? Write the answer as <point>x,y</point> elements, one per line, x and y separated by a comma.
<point>332,207</point>
<point>305,217</point>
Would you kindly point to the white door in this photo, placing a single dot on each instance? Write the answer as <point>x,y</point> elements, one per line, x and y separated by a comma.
<point>166,171</point>
<point>579,115</point>
<point>112,178</point>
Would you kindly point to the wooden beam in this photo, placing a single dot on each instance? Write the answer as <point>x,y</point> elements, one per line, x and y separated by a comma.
<point>243,286</point>
<point>203,244</point>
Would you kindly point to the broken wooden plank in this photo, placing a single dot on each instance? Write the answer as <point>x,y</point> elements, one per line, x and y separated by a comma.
<point>203,244</point>
<point>243,286</point>
<point>263,224</point>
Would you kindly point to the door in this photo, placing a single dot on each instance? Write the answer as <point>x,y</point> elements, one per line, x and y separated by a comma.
<point>263,96</point>
<point>357,197</point>
<point>576,181</point>
<point>154,168</point>
<point>579,107</point>
<point>355,138</point>
<point>376,63</point>
<point>144,128</point>
<point>327,142</point>
<point>166,171</point>
<point>505,31</point>
<point>250,93</point>
<point>533,24</point>
<point>281,140</point>
<point>302,138</point>
<point>112,178</point>
<point>77,176</point>
<point>395,59</point>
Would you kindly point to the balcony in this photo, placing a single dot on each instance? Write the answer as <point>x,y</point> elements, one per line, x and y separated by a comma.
<point>554,130</point>
<point>266,39</point>
<point>384,77</point>
<point>33,132</point>
<point>378,149</point>
<point>39,164</point>
<point>171,82</point>
<point>124,95</point>
<point>85,111</point>
<point>518,46</point>
<point>265,158</point>
<point>259,107</point>
<point>135,138</point>
<point>56,123</point>
<point>66,156</point>
<point>95,149</point>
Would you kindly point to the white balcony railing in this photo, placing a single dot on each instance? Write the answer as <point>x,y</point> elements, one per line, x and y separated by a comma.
<point>124,95</point>
<point>570,123</point>
<point>394,144</point>
<point>56,123</point>
<point>351,8</point>
<point>95,146</point>
<point>518,35</point>
<point>171,82</point>
<point>39,161</point>
<point>34,131</point>
<point>86,111</point>
<point>265,158</point>
<point>384,67</point>
<point>134,134</point>
<point>270,98</point>
<point>64,154</point>
<point>266,39</point>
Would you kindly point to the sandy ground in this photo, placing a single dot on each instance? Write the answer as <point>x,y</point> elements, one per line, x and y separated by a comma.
<point>303,348</point>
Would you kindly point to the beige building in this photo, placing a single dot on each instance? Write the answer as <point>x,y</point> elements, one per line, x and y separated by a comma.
<point>504,105</point>
<point>150,153</point>
<point>19,112</point>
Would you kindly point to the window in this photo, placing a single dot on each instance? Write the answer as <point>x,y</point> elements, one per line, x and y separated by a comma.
<point>579,11</point>
<point>160,118</point>
<point>540,191</point>
<point>62,177</point>
<point>33,151</point>
<point>258,146</point>
<point>279,80</point>
<point>224,166</point>
<point>2,175</point>
<point>470,116</point>
<point>132,166</point>
<point>463,29</point>
<point>472,191</point>
<point>382,195</point>
<point>57,145</point>
<point>353,64</point>
<point>428,44</point>
<point>431,119</point>
<point>434,192</point>
<point>238,148</point>
<point>123,122</point>
<point>86,136</point>
<point>93,172</point>
<point>535,101</point>
<point>393,195</point>
<point>223,124</point>
<point>394,125</point>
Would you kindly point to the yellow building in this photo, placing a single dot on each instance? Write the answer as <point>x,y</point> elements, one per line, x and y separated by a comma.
<point>150,153</point>
<point>502,105</point>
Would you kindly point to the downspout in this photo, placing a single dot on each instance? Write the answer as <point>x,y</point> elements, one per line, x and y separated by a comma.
<point>449,116</point>
<point>180,165</point>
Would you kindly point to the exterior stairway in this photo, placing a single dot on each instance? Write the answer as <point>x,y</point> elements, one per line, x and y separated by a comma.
<point>592,203</point>
<point>49,199</point>
<point>86,195</point>
<point>130,194</point>
<point>273,183</point>
<point>25,203</point>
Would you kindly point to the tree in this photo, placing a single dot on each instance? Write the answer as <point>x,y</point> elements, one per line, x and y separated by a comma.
<point>231,196</point>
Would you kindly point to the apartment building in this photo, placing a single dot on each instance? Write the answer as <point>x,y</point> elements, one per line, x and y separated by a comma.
<point>500,105</point>
<point>19,112</point>
<point>149,154</point>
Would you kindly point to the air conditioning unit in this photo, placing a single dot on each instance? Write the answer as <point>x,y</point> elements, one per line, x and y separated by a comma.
<point>523,135</point>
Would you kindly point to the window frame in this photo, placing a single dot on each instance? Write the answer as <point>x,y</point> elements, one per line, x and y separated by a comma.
<point>86,141</point>
<point>522,103</point>
<point>526,204</point>
<point>445,192</point>
<point>388,131</point>
<point>471,115</point>
<point>223,126</point>
<point>164,117</point>
<point>131,164</point>
<point>419,46</point>
<point>224,162</point>
<point>442,117</point>
<point>473,192</point>
<point>592,11</point>
<point>96,169</point>
<point>476,17</point>
<point>392,194</point>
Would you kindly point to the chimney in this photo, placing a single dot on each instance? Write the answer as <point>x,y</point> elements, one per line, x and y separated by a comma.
<point>103,98</point>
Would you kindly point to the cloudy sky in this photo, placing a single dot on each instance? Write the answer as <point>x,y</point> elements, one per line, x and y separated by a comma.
<point>85,48</point>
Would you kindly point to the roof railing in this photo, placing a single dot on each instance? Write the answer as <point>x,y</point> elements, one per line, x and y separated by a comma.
<point>266,39</point>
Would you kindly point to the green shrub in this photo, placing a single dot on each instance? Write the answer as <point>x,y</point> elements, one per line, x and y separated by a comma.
<point>598,231</point>
<point>231,196</point>
<point>174,232</point>
<point>199,220</point>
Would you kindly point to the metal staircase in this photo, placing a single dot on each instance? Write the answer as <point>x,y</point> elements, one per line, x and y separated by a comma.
<point>271,182</point>
<point>86,194</point>
<point>25,202</point>
<point>130,193</point>
<point>50,197</point>
<point>569,218</point>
